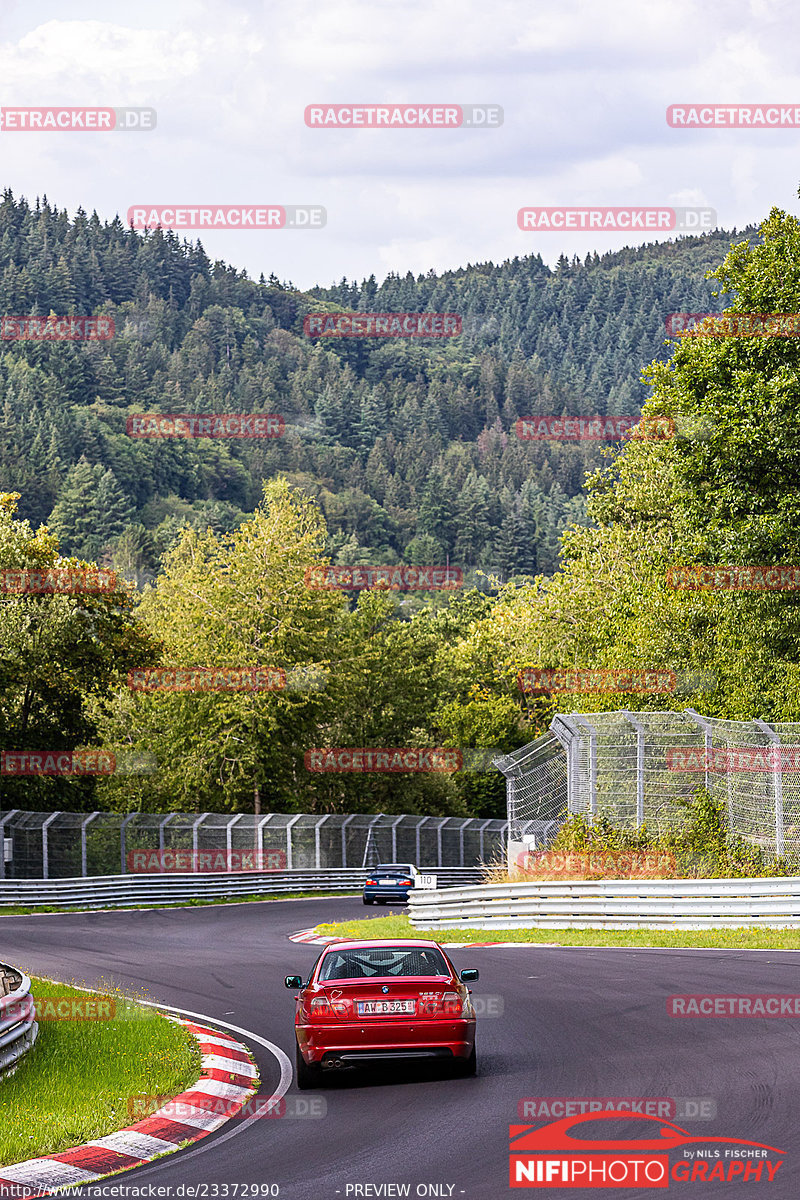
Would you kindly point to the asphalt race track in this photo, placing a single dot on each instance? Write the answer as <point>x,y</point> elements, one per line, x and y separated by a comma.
<point>574,1023</point>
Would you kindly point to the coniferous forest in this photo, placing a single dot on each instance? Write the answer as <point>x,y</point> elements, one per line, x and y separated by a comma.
<point>408,446</point>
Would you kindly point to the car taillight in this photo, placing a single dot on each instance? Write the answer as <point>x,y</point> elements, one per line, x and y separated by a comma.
<point>406,883</point>
<point>446,1004</point>
<point>372,883</point>
<point>323,1007</point>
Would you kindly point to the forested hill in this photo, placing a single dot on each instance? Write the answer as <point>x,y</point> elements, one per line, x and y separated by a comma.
<point>409,446</point>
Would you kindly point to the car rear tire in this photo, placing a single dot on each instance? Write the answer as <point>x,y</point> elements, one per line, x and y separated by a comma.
<point>368,900</point>
<point>307,1077</point>
<point>467,1066</point>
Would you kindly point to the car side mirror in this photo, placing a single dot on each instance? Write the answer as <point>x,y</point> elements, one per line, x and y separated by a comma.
<point>469,976</point>
<point>294,981</point>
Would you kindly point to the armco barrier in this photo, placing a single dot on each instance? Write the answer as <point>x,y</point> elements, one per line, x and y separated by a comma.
<point>612,904</point>
<point>18,1028</point>
<point>101,891</point>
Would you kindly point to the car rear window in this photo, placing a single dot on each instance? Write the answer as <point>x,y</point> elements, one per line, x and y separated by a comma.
<point>364,964</point>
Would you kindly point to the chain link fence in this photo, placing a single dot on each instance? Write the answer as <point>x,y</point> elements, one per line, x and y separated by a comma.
<point>64,845</point>
<point>631,767</point>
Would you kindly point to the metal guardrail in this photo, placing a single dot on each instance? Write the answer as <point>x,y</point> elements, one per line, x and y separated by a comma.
<point>612,904</point>
<point>102,891</point>
<point>18,1027</point>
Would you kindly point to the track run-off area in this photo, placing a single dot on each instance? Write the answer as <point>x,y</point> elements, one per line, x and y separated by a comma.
<point>554,1023</point>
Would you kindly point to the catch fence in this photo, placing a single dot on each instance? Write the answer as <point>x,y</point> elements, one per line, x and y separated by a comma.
<point>66,845</point>
<point>632,766</point>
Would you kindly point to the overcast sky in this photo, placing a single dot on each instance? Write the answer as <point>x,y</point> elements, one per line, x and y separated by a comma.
<point>584,85</point>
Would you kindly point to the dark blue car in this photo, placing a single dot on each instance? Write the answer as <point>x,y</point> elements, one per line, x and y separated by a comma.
<point>389,881</point>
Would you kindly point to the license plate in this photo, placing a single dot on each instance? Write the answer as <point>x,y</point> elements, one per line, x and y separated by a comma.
<point>368,1008</point>
<point>387,882</point>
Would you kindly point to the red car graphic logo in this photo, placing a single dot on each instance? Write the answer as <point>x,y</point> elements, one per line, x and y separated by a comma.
<point>557,1137</point>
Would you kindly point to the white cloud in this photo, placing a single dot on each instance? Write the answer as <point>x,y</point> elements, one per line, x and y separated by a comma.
<point>584,87</point>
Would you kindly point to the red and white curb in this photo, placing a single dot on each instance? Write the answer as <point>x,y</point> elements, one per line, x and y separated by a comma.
<point>229,1074</point>
<point>311,938</point>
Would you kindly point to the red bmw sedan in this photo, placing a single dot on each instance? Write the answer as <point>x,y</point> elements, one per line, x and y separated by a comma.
<point>369,1003</point>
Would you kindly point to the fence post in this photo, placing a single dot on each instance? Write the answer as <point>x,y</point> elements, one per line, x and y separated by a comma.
<point>161,827</point>
<point>708,747</point>
<point>84,826</point>
<point>464,825</point>
<point>123,841</point>
<point>228,837</point>
<point>480,837</point>
<point>195,826</point>
<point>289,825</point>
<point>46,846</point>
<point>419,826</point>
<point>592,762</point>
<point>777,783</point>
<point>7,817</point>
<point>439,828</point>
<point>395,823</point>
<point>260,837</point>
<point>345,823</point>
<point>317,844</point>
<point>639,766</point>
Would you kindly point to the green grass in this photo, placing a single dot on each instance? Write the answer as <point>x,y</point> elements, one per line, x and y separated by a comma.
<point>397,925</point>
<point>81,1078</point>
<point>26,910</point>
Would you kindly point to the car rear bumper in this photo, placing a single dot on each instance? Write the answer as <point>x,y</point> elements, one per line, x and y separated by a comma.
<point>354,1043</point>
<point>386,893</point>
